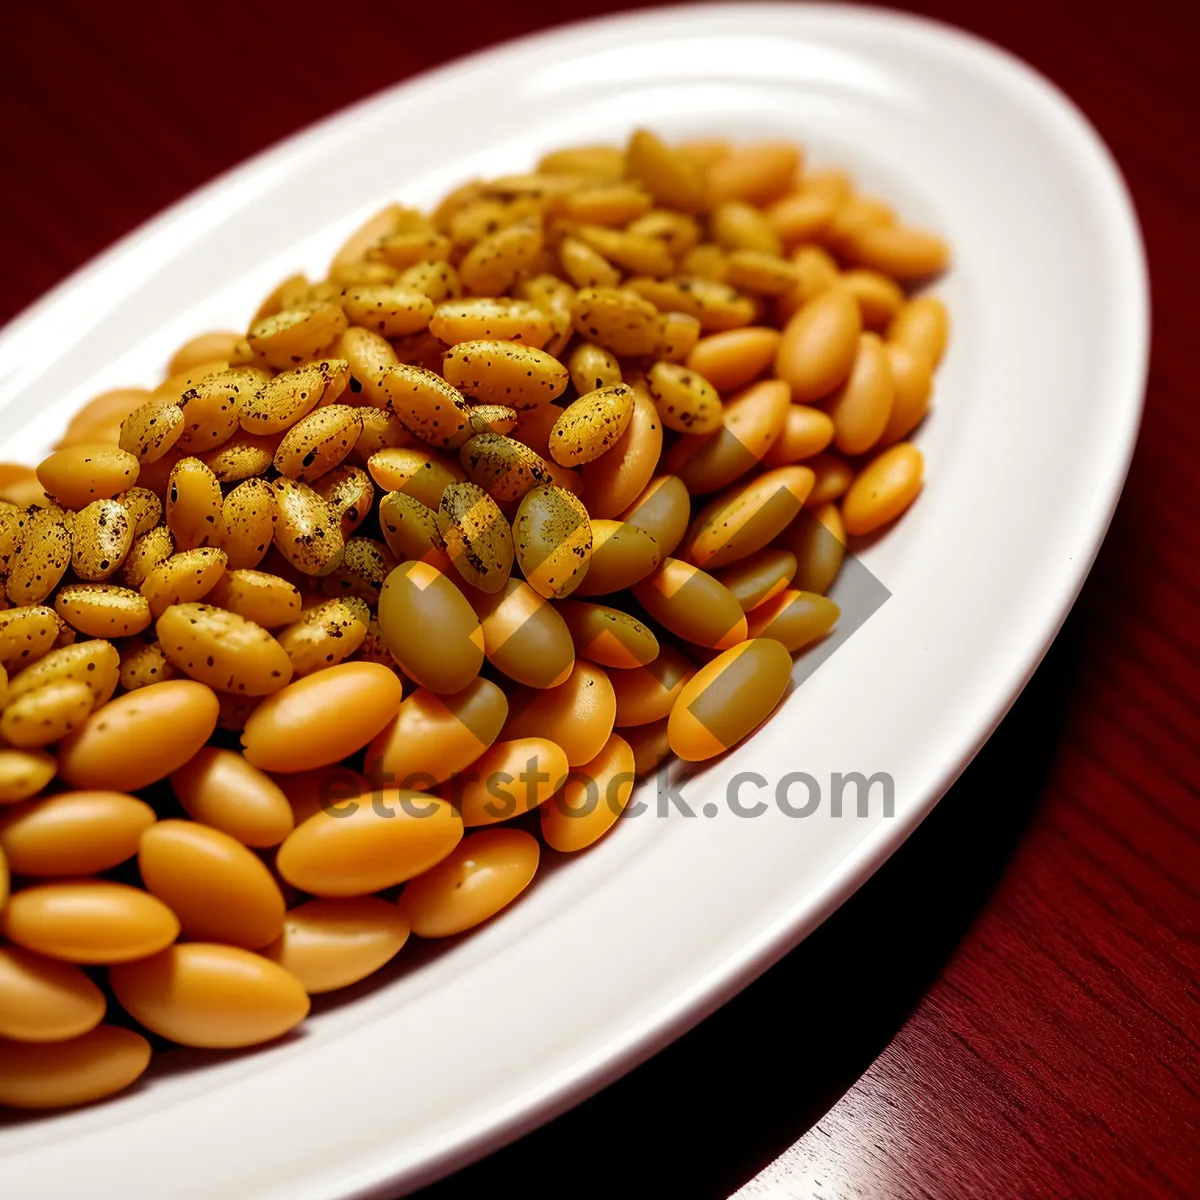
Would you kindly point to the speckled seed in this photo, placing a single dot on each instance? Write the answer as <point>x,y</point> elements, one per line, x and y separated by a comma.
<point>402,250</point>
<point>280,402</point>
<point>389,310</point>
<point>458,321</point>
<point>685,400</point>
<point>493,264</point>
<point>349,492</point>
<point>382,430</point>
<point>727,698</point>
<point>663,510</point>
<point>636,252</point>
<point>147,552</point>
<point>183,578</point>
<point>416,598</point>
<point>366,354</point>
<point>307,532</point>
<point>326,634</point>
<point>746,517</point>
<point>46,714</point>
<point>752,423</point>
<point>258,596</point>
<point>143,507</point>
<point>436,278</point>
<point>423,475</point>
<point>614,480</point>
<point>365,565</point>
<point>318,442</point>
<point>26,633</point>
<point>760,274</point>
<point>103,610</point>
<point>714,304</point>
<point>152,429</point>
<point>592,367</point>
<point>476,536</point>
<point>42,555</point>
<point>80,474</point>
<point>608,636</point>
<point>248,516</point>
<point>617,319</point>
<point>193,508</point>
<point>93,662</point>
<point>504,372</point>
<point>12,522</point>
<point>493,418</point>
<point>621,555</point>
<point>23,773</point>
<point>212,408</point>
<point>244,456</point>
<point>504,468</point>
<point>737,226</point>
<point>428,406</point>
<point>101,537</point>
<point>693,605</point>
<point>584,266</point>
<point>144,663</point>
<point>296,334</point>
<point>222,649</point>
<point>553,536</point>
<point>410,529</point>
<point>591,425</point>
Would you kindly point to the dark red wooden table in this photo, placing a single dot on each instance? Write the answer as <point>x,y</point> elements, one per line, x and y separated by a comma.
<point>1030,1027</point>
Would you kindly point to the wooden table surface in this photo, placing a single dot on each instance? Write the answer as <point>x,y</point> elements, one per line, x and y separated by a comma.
<point>1030,1027</point>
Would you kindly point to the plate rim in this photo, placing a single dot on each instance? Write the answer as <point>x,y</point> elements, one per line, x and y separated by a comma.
<point>693,1004</point>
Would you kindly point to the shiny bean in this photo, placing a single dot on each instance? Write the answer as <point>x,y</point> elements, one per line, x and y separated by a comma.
<point>793,618</point>
<point>219,788</point>
<point>614,481</point>
<point>861,407</point>
<point>486,872</point>
<point>332,943</point>
<point>42,1000</point>
<point>923,327</point>
<point>806,431</point>
<point>553,540</point>
<point>80,474</point>
<point>73,833</point>
<point>759,576</point>
<point>727,698</point>
<point>321,718</point>
<point>523,635</point>
<point>88,921</point>
<point>646,694</point>
<point>592,799</point>
<point>59,1074</point>
<point>663,510</point>
<point>818,346</point>
<point>735,358</point>
<point>508,779</point>
<point>211,996</point>
<point>609,636</point>
<point>692,604</point>
<point>139,738</point>
<point>883,489</point>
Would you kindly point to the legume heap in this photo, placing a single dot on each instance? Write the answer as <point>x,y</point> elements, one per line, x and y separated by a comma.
<point>526,495</point>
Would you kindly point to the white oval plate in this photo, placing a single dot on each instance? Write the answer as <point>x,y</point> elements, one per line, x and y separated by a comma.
<point>623,948</point>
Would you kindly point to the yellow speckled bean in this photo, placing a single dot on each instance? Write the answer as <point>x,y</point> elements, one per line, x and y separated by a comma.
<point>498,372</point>
<point>41,556</point>
<point>365,565</point>
<point>248,516</point>
<point>669,175</point>
<point>457,321</point>
<point>326,634</point>
<point>429,407</point>
<point>46,714</point>
<point>101,537</point>
<point>617,319</point>
<point>296,334</point>
<point>591,425</point>
<point>318,442</point>
<point>476,536</point>
<point>93,662</point>
<point>23,773</point>
<point>410,529</point>
<point>152,429</point>
<point>503,467</point>
<point>80,474</point>
<point>183,578</point>
<point>586,267</point>
<point>614,480</point>
<point>103,610</point>
<point>685,400</point>
<point>144,663</point>
<point>27,632</point>
<point>553,537</point>
<point>148,551</point>
<point>193,505</point>
<point>307,532</point>
<point>222,649</point>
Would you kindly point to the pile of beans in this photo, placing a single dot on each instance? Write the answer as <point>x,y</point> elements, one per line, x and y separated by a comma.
<point>524,496</point>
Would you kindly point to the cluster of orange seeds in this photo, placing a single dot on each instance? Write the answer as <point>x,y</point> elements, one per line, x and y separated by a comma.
<point>319,641</point>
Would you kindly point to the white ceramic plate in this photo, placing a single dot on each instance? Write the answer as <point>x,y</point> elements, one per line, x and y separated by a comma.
<point>611,956</point>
